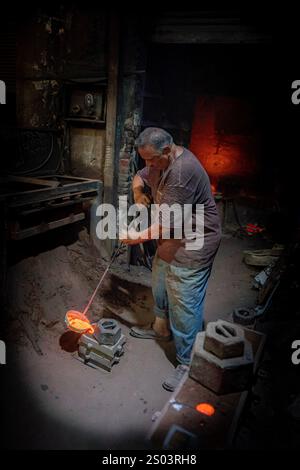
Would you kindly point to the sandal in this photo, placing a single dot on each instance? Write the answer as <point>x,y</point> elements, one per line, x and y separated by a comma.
<point>148,333</point>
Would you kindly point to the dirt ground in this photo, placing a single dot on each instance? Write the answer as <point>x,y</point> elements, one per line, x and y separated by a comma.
<point>59,403</point>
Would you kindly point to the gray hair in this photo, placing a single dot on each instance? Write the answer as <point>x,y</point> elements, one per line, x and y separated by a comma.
<point>158,138</point>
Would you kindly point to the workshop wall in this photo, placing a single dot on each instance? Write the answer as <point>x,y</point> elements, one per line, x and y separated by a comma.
<point>133,60</point>
<point>224,138</point>
<point>172,73</point>
<point>86,145</point>
<point>57,48</point>
<point>212,98</point>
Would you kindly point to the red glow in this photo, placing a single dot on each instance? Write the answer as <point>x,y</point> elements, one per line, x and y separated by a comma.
<point>221,138</point>
<point>253,229</point>
<point>205,409</point>
<point>78,322</point>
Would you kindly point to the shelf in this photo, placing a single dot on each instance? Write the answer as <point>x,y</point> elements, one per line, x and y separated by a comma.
<point>86,120</point>
<point>164,125</point>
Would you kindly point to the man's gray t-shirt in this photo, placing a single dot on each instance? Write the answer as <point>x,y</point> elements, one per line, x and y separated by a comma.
<point>185,181</point>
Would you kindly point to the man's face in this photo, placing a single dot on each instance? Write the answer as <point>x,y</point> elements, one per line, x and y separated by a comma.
<point>154,158</point>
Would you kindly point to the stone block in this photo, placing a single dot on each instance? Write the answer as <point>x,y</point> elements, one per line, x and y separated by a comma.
<point>224,339</point>
<point>221,375</point>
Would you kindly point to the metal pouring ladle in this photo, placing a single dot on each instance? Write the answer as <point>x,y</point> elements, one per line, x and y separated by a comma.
<point>73,314</point>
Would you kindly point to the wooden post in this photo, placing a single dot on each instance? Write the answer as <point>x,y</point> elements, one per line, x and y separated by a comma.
<point>111,118</point>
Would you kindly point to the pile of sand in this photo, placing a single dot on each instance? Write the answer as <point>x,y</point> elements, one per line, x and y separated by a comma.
<point>46,286</point>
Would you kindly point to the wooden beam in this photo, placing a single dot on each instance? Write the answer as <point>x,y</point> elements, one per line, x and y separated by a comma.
<point>19,234</point>
<point>111,117</point>
<point>34,181</point>
<point>111,112</point>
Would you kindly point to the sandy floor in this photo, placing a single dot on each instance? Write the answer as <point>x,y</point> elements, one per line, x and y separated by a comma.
<point>59,403</point>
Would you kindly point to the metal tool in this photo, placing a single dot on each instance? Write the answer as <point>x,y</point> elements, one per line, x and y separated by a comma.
<point>77,321</point>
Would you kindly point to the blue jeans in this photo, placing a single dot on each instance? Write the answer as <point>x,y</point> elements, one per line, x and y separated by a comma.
<point>179,295</point>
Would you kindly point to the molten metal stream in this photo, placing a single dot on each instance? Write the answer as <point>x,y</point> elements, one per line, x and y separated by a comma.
<point>77,321</point>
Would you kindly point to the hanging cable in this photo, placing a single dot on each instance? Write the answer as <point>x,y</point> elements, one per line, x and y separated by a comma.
<point>41,165</point>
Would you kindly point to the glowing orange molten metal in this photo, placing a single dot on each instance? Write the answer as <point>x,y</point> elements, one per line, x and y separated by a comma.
<point>206,409</point>
<point>78,322</point>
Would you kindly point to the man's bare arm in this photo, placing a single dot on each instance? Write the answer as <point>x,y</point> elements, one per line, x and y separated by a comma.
<point>151,233</point>
<point>138,191</point>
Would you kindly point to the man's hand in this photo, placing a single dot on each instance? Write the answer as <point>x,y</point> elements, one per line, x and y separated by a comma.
<point>130,241</point>
<point>141,198</point>
<point>130,238</point>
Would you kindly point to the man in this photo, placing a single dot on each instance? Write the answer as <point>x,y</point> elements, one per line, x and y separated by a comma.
<point>179,274</point>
